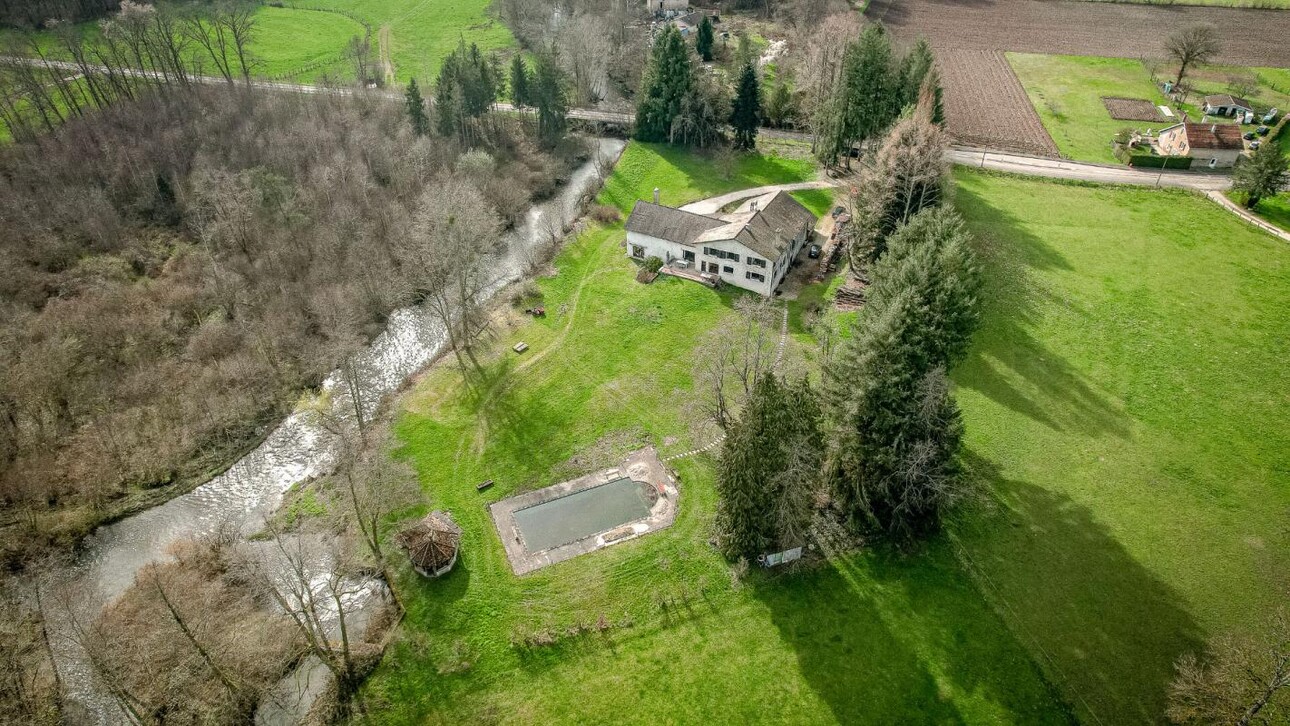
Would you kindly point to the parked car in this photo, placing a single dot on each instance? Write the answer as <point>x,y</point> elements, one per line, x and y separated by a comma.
<point>1248,135</point>
<point>836,211</point>
<point>1262,130</point>
<point>813,251</point>
<point>1255,144</point>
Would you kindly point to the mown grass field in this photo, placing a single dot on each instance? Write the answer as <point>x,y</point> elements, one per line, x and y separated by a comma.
<point>1212,3</point>
<point>875,637</point>
<point>1066,91</point>
<point>1125,406</point>
<point>416,35</point>
<point>1127,400</point>
<point>304,44</point>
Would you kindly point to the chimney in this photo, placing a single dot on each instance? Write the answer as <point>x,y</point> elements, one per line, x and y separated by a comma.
<point>656,195</point>
<point>753,207</point>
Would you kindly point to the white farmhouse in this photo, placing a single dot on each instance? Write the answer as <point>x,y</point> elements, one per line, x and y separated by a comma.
<point>749,248</point>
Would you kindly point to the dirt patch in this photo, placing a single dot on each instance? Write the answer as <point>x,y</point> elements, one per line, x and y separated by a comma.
<point>986,105</point>
<point>1131,109</point>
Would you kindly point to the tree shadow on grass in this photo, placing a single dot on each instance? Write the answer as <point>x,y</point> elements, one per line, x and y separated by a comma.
<point>1007,363</point>
<point>1102,626</point>
<point>884,637</point>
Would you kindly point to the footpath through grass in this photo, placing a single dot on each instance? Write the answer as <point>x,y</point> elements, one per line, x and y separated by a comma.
<point>416,35</point>
<point>1127,399</point>
<point>1067,92</point>
<point>868,638</point>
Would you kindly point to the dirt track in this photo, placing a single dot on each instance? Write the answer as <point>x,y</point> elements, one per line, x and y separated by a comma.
<point>985,102</point>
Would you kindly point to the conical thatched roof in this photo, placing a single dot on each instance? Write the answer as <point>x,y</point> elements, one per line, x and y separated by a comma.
<point>431,542</point>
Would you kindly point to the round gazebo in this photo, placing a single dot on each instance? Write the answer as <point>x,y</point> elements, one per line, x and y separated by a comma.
<point>432,543</point>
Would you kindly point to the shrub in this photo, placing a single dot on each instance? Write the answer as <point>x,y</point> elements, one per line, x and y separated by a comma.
<point>653,264</point>
<point>605,214</point>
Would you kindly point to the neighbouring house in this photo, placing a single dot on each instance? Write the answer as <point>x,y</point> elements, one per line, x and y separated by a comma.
<point>689,22</point>
<point>667,6</point>
<point>432,543</point>
<point>1224,104</point>
<point>1214,145</point>
<point>751,247</point>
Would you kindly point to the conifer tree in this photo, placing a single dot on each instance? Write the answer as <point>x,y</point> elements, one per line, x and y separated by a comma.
<point>780,107</point>
<point>416,109</point>
<point>668,80</point>
<point>519,82</point>
<point>746,114</point>
<point>466,88</point>
<point>550,99</point>
<point>704,39</point>
<point>1262,175</point>
<point>768,468</point>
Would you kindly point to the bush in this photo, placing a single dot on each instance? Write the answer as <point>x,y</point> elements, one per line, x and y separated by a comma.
<point>1151,161</point>
<point>605,214</point>
<point>653,264</point>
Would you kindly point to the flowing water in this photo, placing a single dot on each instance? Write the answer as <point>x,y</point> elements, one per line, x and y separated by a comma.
<point>297,450</point>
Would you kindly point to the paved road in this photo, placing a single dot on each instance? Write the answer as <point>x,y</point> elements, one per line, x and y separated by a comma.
<point>962,155</point>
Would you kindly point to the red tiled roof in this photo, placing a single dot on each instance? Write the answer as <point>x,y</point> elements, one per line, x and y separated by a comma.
<point>1214,136</point>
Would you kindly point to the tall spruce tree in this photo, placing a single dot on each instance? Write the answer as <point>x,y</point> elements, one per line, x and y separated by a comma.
<point>466,88</point>
<point>416,106</point>
<point>745,117</point>
<point>1262,175</point>
<point>768,469</point>
<point>931,256</point>
<point>906,175</point>
<point>896,429</point>
<point>918,69</point>
<point>550,99</point>
<point>704,38</point>
<point>668,81</point>
<point>519,82</point>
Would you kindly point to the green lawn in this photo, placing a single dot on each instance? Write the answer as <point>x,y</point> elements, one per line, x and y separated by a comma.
<point>422,32</point>
<point>1125,404</point>
<point>1126,399</point>
<point>1066,91</point>
<point>304,44</point>
<point>867,638</point>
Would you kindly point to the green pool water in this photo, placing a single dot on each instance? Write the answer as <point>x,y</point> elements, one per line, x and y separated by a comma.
<point>590,511</point>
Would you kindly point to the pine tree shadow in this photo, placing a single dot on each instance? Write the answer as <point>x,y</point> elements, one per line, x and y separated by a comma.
<point>887,637</point>
<point>1104,628</point>
<point>1007,363</point>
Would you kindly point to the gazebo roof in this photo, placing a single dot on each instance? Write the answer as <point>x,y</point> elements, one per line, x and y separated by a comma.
<point>431,542</point>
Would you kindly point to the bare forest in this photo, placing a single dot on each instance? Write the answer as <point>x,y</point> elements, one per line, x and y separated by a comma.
<point>180,266</point>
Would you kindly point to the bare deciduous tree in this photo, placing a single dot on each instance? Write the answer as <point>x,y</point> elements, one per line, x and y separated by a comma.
<point>1192,45</point>
<point>1243,678</point>
<point>735,356</point>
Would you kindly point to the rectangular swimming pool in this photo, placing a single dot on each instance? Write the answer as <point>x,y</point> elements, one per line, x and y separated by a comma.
<point>590,511</point>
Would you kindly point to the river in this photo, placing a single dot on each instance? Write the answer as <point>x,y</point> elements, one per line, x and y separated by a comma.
<point>297,450</point>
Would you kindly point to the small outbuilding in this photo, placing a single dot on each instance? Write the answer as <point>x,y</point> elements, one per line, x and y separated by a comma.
<point>1225,104</point>
<point>432,544</point>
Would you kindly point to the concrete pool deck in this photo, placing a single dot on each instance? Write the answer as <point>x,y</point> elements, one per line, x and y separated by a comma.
<point>642,466</point>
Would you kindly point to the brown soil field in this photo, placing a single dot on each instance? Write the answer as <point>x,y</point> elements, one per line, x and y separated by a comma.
<point>986,105</point>
<point>985,102</point>
<point>1250,37</point>
<point>1131,109</point>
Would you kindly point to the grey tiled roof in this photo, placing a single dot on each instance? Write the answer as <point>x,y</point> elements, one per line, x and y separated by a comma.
<point>668,223</point>
<point>766,225</point>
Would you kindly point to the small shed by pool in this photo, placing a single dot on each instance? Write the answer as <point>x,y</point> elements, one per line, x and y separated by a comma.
<point>432,544</point>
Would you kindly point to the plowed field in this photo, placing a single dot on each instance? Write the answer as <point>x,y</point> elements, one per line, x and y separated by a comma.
<point>984,100</point>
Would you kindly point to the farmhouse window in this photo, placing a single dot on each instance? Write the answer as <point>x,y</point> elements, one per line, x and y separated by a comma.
<point>688,255</point>
<point>728,270</point>
<point>755,276</point>
<point>756,261</point>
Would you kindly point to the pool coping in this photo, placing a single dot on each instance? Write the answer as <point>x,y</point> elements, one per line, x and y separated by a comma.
<point>642,466</point>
